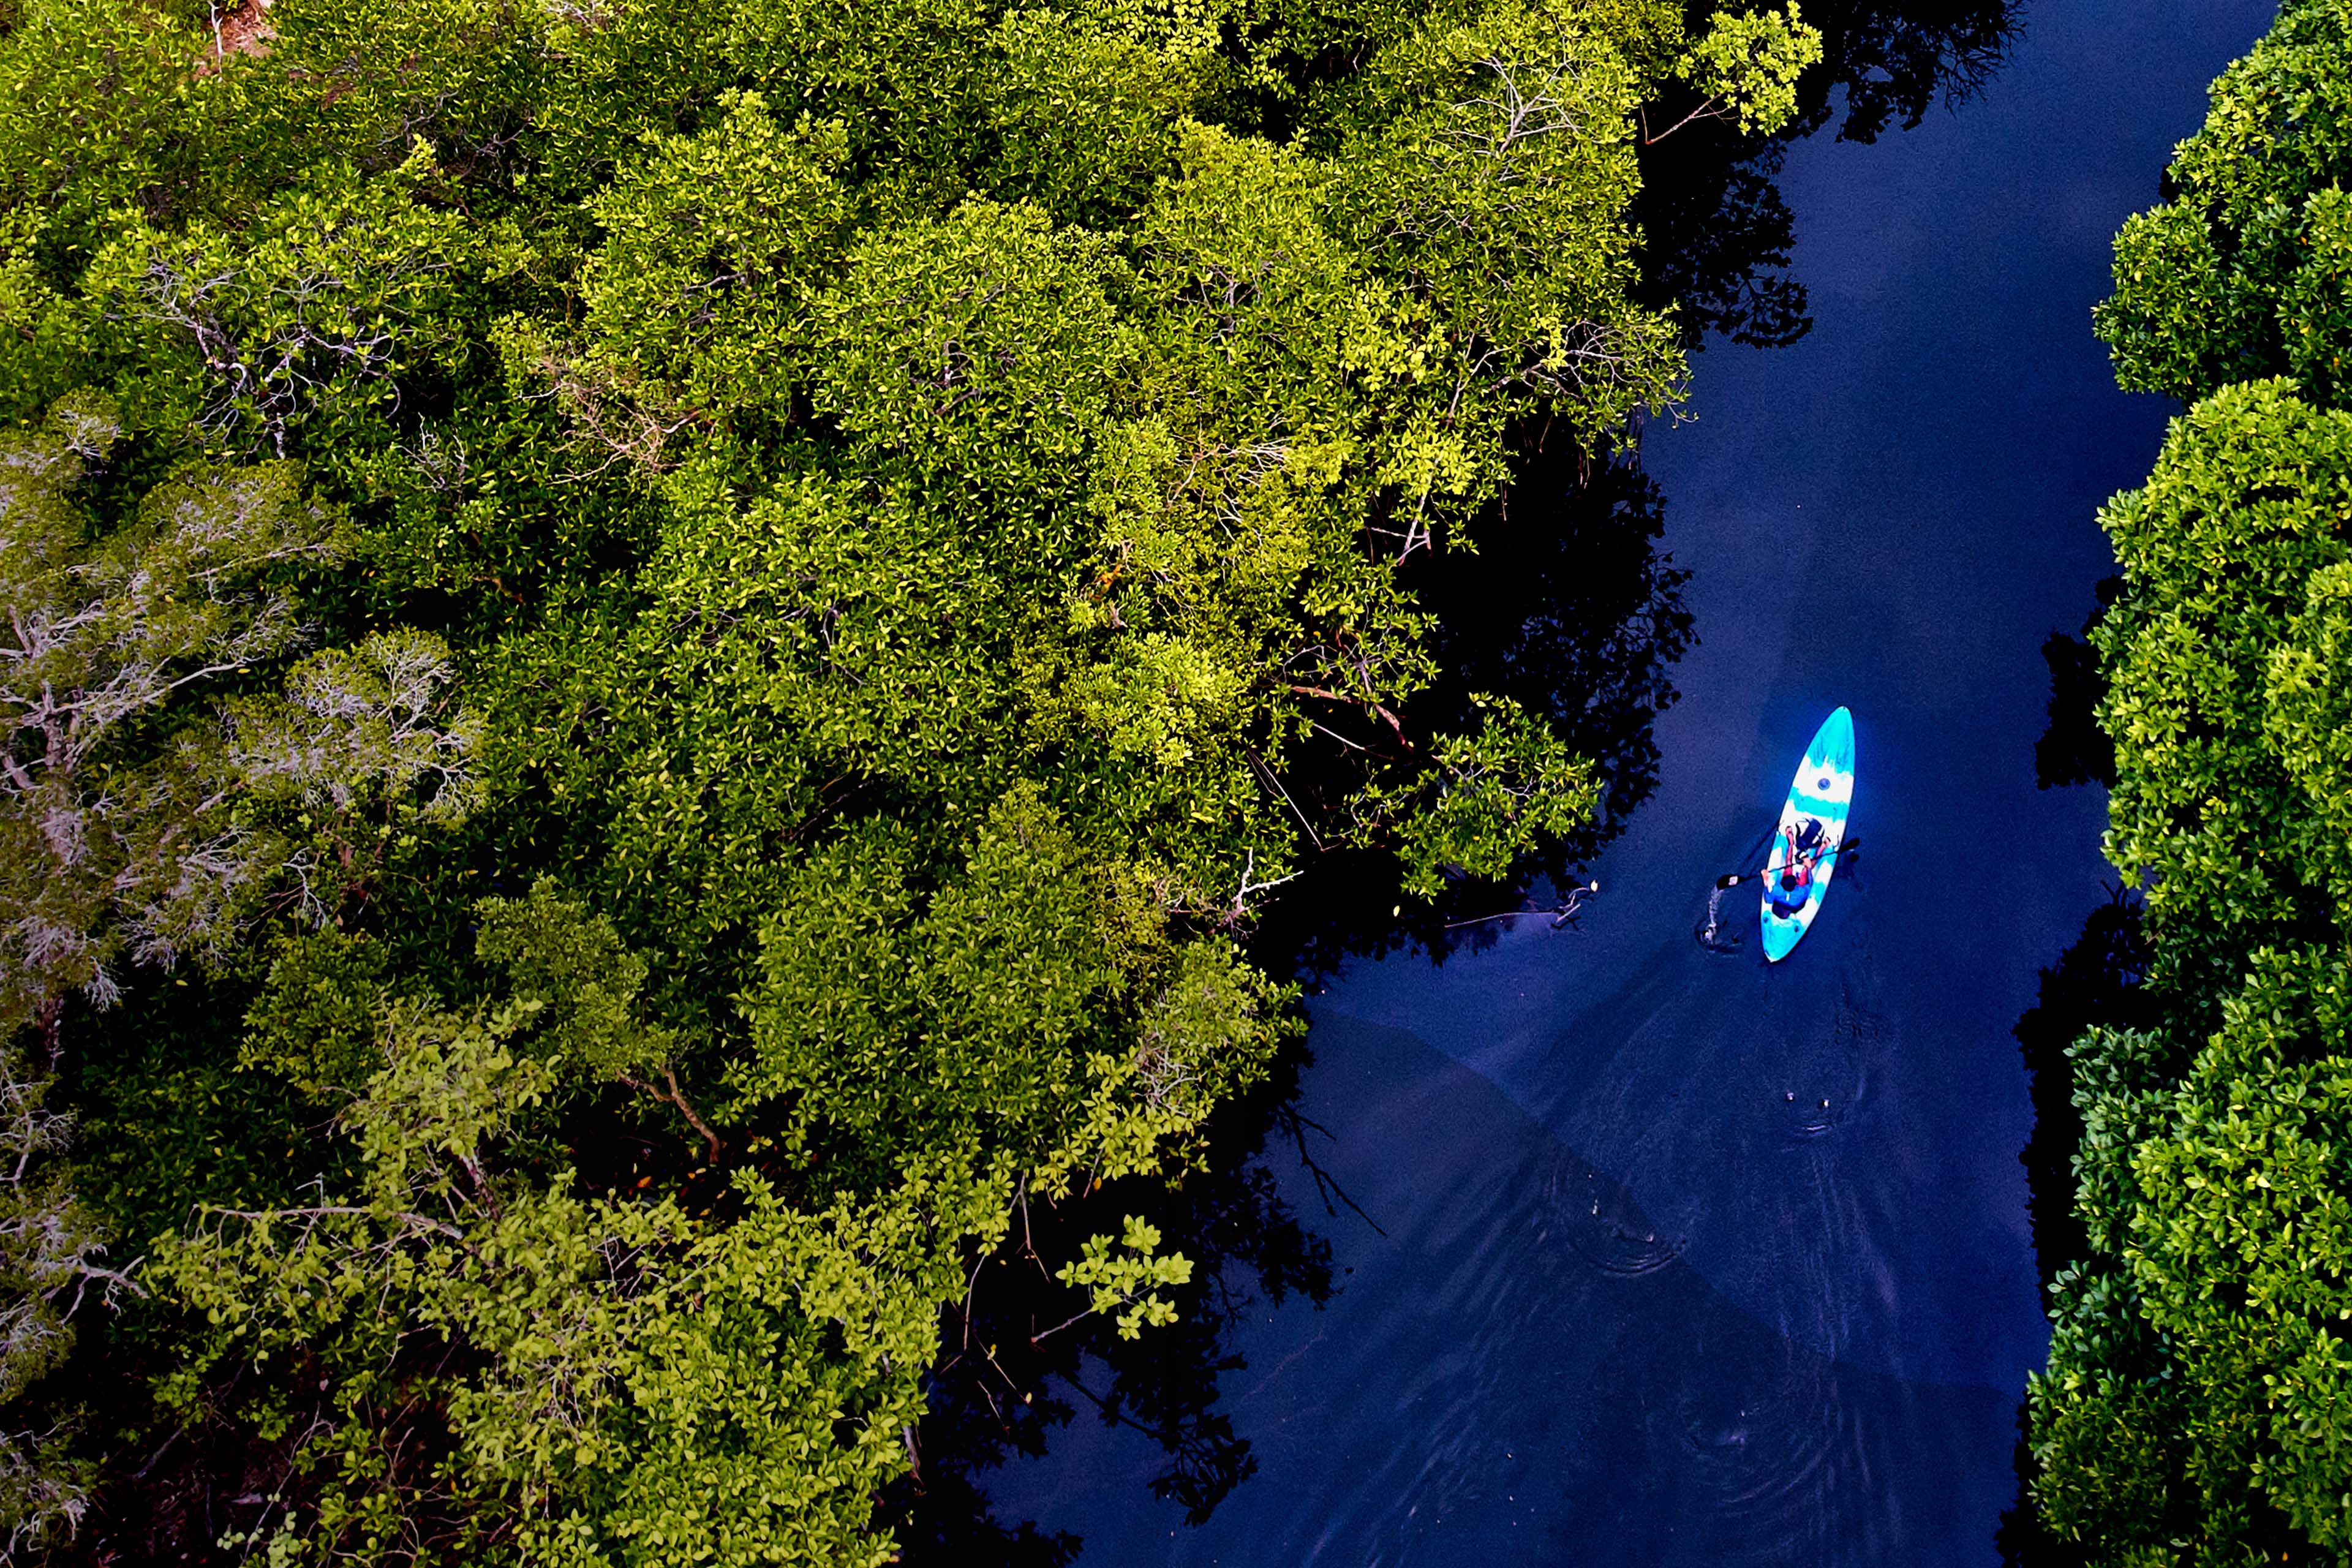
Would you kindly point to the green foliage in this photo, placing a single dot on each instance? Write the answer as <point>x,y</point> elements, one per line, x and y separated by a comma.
<point>2244,273</point>
<point>2220,550</point>
<point>619,1381</point>
<point>304,309</point>
<point>1124,1275</point>
<point>2308,716</point>
<point>1486,800</point>
<point>2196,1407</point>
<point>890,521</point>
<point>1088,116</point>
<point>431,1240</point>
<point>570,967</point>
<point>133,825</point>
<point>710,252</point>
<point>101,856</point>
<point>2216,1356</point>
<point>48,1246</point>
<point>1032,1003</point>
<point>96,90</point>
<point>314,1023</point>
<point>1749,62</point>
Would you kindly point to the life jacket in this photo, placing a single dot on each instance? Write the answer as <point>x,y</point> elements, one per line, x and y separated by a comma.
<point>1789,899</point>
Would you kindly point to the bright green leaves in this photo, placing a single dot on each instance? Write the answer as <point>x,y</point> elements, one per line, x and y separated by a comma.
<point>2315,310</point>
<point>572,967</point>
<point>1476,163</point>
<point>359,82</point>
<point>2179,322</point>
<point>979,352</point>
<point>44,336</point>
<point>794,646</point>
<point>571,1001</point>
<point>697,302</point>
<point>451,1083</point>
<point>1749,62</point>
<point>2107,1430</point>
<point>980,1012</point>
<point>2281,122</point>
<point>1127,1275</point>
<point>1087,511</point>
<point>2220,549</point>
<point>908,78</point>
<point>316,303</point>
<point>833,1013</point>
<point>1267,327</point>
<point>2197,308</point>
<point>94,112</point>
<point>1031,1003</point>
<point>771,1376</point>
<point>2198,1398</point>
<point>1086,115</point>
<point>2308,713</point>
<point>616,1381</point>
<point>1157,697</point>
<point>2249,271</point>
<point>436,1238</point>
<point>2233,1225</point>
<point>1484,800</point>
<point>2242,1254</point>
<point>1203,1031</point>
<point>315,1022</point>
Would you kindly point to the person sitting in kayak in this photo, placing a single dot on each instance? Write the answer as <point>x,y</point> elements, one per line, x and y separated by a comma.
<point>1788,892</point>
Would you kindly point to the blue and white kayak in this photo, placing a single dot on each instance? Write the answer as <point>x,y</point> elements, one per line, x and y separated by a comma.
<point>1813,814</point>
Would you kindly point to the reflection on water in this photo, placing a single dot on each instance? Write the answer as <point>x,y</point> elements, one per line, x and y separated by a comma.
<point>2073,750</point>
<point>1717,233</point>
<point>2094,981</point>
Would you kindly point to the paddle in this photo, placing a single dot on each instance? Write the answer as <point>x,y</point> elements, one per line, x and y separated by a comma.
<point>1733,878</point>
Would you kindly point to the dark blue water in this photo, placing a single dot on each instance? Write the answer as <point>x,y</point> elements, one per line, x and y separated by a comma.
<point>1688,1260</point>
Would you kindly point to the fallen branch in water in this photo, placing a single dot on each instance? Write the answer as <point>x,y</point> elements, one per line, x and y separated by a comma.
<point>1560,913</point>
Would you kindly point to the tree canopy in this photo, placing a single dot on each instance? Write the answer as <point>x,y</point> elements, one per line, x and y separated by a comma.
<point>2195,1409</point>
<point>658,655</point>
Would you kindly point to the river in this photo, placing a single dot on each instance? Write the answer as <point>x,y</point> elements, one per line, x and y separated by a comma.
<point>1667,1256</point>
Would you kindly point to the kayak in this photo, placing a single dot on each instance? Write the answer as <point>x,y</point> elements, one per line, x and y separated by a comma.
<point>1823,792</point>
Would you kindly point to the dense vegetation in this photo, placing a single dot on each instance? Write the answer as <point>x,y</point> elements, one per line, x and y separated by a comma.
<point>2198,1406</point>
<point>656,656</point>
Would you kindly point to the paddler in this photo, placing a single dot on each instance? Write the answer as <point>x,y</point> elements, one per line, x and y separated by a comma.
<point>1790,890</point>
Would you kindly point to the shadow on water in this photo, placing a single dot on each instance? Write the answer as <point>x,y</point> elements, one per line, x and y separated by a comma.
<point>2094,984</point>
<point>1013,1368</point>
<point>1568,606</point>
<point>2073,750</point>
